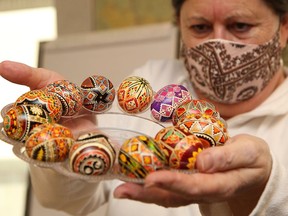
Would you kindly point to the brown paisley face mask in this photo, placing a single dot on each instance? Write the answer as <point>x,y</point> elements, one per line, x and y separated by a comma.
<point>229,72</point>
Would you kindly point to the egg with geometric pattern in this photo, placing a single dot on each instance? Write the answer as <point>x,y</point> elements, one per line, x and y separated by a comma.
<point>134,95</point>
<point>69,94</point>
<point>139,156</point>
<point>98,93</point>
<point>49,143</point>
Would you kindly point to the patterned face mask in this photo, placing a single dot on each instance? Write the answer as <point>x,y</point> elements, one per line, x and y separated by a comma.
<point>229,72</point>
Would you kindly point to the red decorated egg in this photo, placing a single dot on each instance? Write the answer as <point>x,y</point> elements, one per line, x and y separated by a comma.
<point>192,107</point>
<point>20,120</point>
<point>180,148</point>
<point>49,143</point>
<point>210,130</point>
<point>69,94</point>
<point>167,99</point>
<point>134,94</point>
<point>92,154</point>
<point>139,156</point>
<point>98,93</point>
<point>46,100</point>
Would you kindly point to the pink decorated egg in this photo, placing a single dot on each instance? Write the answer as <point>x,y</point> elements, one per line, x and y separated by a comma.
<point>167,99</point>
<point>20,120</point>
<point>92,154</point>
<point>192,107</point>
<point>69,94</point>
<point>98,93</point>
<point>134,94</point>
<point>49,143</point>
<point>46,100</point>
<point>210,130</point>
<point>139,156</point>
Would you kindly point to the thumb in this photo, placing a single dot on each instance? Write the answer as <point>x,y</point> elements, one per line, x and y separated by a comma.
<point>34,78</point>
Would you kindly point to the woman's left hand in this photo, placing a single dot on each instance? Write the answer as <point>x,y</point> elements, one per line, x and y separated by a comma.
<point>236,172</point>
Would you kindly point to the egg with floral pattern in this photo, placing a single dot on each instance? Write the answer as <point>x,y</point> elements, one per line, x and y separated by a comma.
<point>20,120</point>
<point>46,100</point>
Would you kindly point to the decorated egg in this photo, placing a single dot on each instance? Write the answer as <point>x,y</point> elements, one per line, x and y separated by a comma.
<point>46,100</point>
<point>134,94</point>
<point>180,148</point>
<point>49,143</point>
<point>92,154</point>
<point>167,99</point>
<point>139,156</point>
<point>192,107</point>
<point>69,94</point>
<point>98,93</point>
<point>20,120</point>
<point>210,130</point>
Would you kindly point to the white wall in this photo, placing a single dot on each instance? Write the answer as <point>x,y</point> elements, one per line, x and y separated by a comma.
<point>20,33</point>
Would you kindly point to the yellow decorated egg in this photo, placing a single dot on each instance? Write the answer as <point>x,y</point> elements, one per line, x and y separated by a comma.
<point>139,156</point>
<point>46,100</point>
<point>49,143</point>
<point>134,94</point>
<point>92,154</point>
<point>20,120</point>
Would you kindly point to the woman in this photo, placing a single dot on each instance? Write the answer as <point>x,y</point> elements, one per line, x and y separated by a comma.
<point>244,79</point>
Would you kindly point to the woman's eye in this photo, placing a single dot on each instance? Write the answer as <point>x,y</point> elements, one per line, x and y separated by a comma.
<point>201,28</point>
<point>240,27</point>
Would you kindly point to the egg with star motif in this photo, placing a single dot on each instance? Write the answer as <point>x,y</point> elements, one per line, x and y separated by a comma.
<point>98,93</point>
<point>134,94</point>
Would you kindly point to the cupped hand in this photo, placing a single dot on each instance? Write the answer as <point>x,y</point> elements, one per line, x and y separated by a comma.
<point>34,78</point>
<point>236,172</point>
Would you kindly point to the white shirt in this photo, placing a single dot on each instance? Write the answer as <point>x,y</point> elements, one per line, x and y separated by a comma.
<point>268,121</point>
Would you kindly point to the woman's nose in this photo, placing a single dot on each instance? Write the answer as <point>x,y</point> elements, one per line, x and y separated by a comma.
<point>219,32</point>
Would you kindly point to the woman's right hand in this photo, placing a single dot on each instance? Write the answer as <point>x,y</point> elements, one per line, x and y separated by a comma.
<point>34,78</point>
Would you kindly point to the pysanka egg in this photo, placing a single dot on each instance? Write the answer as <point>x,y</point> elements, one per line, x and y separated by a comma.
<point>69,94</point>
<point>92,154</point>
<point>98,93</point>
<point>20,120</point>
<point>134,94</point>
<point>180,148</point>
<point>46,100</point>
<point>139,156</point>
<point>191,107</point>
<point>49,143</point>
<point>210,130</point>
<point>167,99</point>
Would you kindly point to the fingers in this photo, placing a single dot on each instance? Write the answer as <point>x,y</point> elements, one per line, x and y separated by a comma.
<point>35,78</point>
<point>241,168</point>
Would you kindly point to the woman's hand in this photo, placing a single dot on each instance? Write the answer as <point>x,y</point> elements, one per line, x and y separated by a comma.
<point>34,78</point>
<point>236,172</point>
